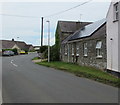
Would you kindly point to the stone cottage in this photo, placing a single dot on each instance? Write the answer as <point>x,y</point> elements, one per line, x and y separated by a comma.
<point>87,46</point>
<point>66,28</point>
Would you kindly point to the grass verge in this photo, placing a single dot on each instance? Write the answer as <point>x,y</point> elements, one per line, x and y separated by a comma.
<point>36,58</point>
<point>82,71</point>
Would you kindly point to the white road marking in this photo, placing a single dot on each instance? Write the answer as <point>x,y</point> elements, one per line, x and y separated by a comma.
<point>13,63</point>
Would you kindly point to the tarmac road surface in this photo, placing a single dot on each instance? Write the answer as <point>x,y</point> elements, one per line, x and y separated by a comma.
<point>26,82</point>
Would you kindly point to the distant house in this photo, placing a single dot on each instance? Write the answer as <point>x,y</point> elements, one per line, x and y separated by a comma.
<point>113,37</point>
<point>12,44</point>
<point>30,47</point>
<point>66,28</point>
<point>9,44</point>
<point>36,48</point>
<point>87,46</point>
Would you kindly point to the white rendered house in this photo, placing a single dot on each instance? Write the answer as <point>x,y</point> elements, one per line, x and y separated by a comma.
<point>113,37</point>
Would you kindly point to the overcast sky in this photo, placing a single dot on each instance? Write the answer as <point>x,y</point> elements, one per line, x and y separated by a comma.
<point>28,28</point>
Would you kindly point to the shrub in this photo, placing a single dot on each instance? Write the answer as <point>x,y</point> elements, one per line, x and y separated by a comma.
<point>43,49</point>
<point>54,53</point>
<point>55,49</point>
<point>15,51</point>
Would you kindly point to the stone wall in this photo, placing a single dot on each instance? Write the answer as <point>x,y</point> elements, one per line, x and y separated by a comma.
<point>91,59</point>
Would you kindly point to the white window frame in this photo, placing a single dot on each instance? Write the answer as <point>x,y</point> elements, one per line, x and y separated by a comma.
<point>66,50</point>
<point>77,49</point>
<point>116,12</point>
<point>98,49</point>
<point>85,49</point>
<point>72,49</point>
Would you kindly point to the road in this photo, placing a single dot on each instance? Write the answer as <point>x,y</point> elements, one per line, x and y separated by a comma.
<point>26,82</point>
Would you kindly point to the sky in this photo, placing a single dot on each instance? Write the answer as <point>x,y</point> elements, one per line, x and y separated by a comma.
<point>28,29</point>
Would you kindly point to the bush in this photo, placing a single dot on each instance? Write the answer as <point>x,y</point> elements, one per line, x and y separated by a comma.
<point>26,51</point>
<point>32,50</point>
<point>55,49</point>
<point>54,53</point>
<point>15,51</point>
<point>43,49</point>
<point>6,50</point>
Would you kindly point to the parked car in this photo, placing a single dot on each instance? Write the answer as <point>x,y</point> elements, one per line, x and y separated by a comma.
<point>22,52</point>
<point>8,53</point>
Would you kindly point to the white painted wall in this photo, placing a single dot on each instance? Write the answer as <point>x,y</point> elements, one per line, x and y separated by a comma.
<point>0,74</point>
<point>0,80</point>
<point>15,46</point>
<point>18,49</point>
<point>112,45</point>
<point>119,41</point>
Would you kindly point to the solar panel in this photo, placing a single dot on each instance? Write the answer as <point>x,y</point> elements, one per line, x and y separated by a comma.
<point>88,30</point>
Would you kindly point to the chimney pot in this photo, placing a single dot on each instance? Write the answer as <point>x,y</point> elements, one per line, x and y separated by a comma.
<point>12,39</point>
<point>78,25</point>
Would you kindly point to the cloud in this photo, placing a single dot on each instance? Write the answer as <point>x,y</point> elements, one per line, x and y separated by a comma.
<point>45,41</point>
<point>52,0</point>
<point>28,29</point>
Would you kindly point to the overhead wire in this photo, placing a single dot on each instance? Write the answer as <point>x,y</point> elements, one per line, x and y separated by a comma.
<point>68,9</point>
<point>19,16</point>
<point>58,13</point>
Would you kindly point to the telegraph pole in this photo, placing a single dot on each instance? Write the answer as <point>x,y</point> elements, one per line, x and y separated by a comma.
<point>42,32</point>
<point>48,40</point>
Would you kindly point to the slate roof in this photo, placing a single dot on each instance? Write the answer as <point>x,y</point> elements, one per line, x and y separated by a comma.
<point>21,45</point>
<point>66,39</point>
<point>87,30</point>
<point>28,46</point>
<point>8,44</point>
<point>71,26</point>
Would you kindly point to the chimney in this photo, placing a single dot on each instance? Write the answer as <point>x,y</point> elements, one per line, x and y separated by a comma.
<point>78,25</point>
<point>12,39</point>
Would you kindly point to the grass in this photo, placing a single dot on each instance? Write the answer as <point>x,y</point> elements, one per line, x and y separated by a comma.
<point>82,71</point>
<point>36,58</point>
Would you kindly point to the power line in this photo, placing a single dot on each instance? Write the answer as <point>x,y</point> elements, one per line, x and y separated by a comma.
<point>19,16</point>
<point>48,15</point>
<point>68,9</point>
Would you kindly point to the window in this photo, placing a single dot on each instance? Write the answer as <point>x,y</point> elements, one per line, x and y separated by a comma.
<point>72,49</point>
<point>98,49</point>
<point>65,49</point>
<point>85,49</point>
<point>77,49</point>
<point>116,13</point>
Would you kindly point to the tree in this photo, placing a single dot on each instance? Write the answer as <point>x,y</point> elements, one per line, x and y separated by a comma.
<point>55,49</point>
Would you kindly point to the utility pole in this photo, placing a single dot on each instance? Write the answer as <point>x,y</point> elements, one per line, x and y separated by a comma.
<point>48,40</point>
<point>42,32</point>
